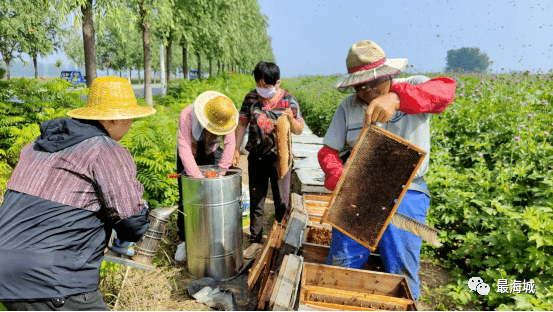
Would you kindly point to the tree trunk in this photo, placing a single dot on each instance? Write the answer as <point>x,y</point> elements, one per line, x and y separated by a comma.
<point>210,69</point>
<point>199,67</point>
<point>138,76</point>
<point>130,75</point>
<point>218,67</point>
<point>8,76</point>
<point>162,71</point>
<point>36,67</point>
<point>184,62</point>
<point>168,53</point>
<point>147,55</point>
<point>89,43</point>
<point>155,81</point>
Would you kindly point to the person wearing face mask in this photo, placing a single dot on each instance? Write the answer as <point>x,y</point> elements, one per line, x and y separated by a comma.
<point>403,107</point>
<point>260,110</point>
<point>70,188</point>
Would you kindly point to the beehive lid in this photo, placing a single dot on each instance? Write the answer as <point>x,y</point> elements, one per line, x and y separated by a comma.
<point>375,178</point>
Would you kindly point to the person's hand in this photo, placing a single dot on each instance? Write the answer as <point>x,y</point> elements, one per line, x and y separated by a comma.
<point>382,108</point>
<point>332,180</point>
<point>236,158</point>
<point>288,113</point>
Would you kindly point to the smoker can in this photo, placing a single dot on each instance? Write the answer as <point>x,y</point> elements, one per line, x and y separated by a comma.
<point>146,248</point>
<point>213,224</point>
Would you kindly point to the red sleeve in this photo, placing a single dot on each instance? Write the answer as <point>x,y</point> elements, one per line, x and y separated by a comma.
<point>432,96</point>
<point>332,166</point>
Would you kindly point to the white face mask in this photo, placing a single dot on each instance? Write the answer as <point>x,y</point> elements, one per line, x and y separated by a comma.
<point>267,93</point>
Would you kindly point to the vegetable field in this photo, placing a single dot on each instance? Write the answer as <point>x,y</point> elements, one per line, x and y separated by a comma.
<point>491,168</point>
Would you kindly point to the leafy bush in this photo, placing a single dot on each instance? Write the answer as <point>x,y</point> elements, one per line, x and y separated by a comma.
<point>317,98</point>
<point>2,72</point>
<point>491,178</point>
<point>24,105</point>
<point>152,141</point>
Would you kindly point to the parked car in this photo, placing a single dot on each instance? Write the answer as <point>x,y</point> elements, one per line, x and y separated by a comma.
<point>74,77</point>
<point>193,74</point>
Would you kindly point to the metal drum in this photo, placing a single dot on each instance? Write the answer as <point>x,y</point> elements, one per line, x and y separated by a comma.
<point>213,224</point>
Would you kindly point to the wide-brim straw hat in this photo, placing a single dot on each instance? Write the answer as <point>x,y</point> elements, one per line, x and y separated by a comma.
<point>111,98</point>
<point>366,61</point>
<point>216,112</point>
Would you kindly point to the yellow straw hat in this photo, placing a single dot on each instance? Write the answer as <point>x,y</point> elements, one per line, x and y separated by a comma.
<point>111,98</point>
<point>216,112</point>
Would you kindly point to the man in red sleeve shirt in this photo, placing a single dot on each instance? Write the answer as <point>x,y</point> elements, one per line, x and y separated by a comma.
<point>403,107</point>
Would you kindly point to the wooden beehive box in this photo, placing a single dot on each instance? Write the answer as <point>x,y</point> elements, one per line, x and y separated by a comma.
<point>375,178</point>
<point>327,287</point>
<point>315,204</point>
<point>315,246</point>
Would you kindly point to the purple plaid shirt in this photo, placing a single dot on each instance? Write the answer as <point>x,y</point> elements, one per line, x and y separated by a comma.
<point>93,173</point>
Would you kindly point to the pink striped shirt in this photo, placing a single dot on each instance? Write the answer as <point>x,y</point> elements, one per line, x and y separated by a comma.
<point>187,149</point>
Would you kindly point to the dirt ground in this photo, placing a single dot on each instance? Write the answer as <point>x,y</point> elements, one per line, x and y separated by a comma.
<point>165,289</point>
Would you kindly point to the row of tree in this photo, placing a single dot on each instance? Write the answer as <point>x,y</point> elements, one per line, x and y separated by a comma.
<point>125,34</point>
<point>27,27</point>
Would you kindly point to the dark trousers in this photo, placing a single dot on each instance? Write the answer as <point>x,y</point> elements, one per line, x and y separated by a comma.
<point>91,301</point>
<point>201,160</point>
<point>260,171</point>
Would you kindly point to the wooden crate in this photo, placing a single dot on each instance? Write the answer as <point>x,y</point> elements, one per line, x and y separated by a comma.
<point>316,253</point>
<point>332,287</point>
<point>313,226</point>
<point>315,204</point>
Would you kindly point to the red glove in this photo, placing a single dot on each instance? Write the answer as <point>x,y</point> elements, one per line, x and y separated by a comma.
<point>332,166</point>
<point>432,96</point>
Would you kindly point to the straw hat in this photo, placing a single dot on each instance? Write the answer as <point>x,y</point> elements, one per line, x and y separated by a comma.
<point>111,98</point>
<point>366,61</point>
<point>216,112</point>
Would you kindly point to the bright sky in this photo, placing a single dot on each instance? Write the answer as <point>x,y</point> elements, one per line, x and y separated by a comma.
<point>313,37</point>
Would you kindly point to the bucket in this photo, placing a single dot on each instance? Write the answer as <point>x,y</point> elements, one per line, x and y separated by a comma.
<point>146,248</point>
<point>213,224</point>
<point>245,206</point>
